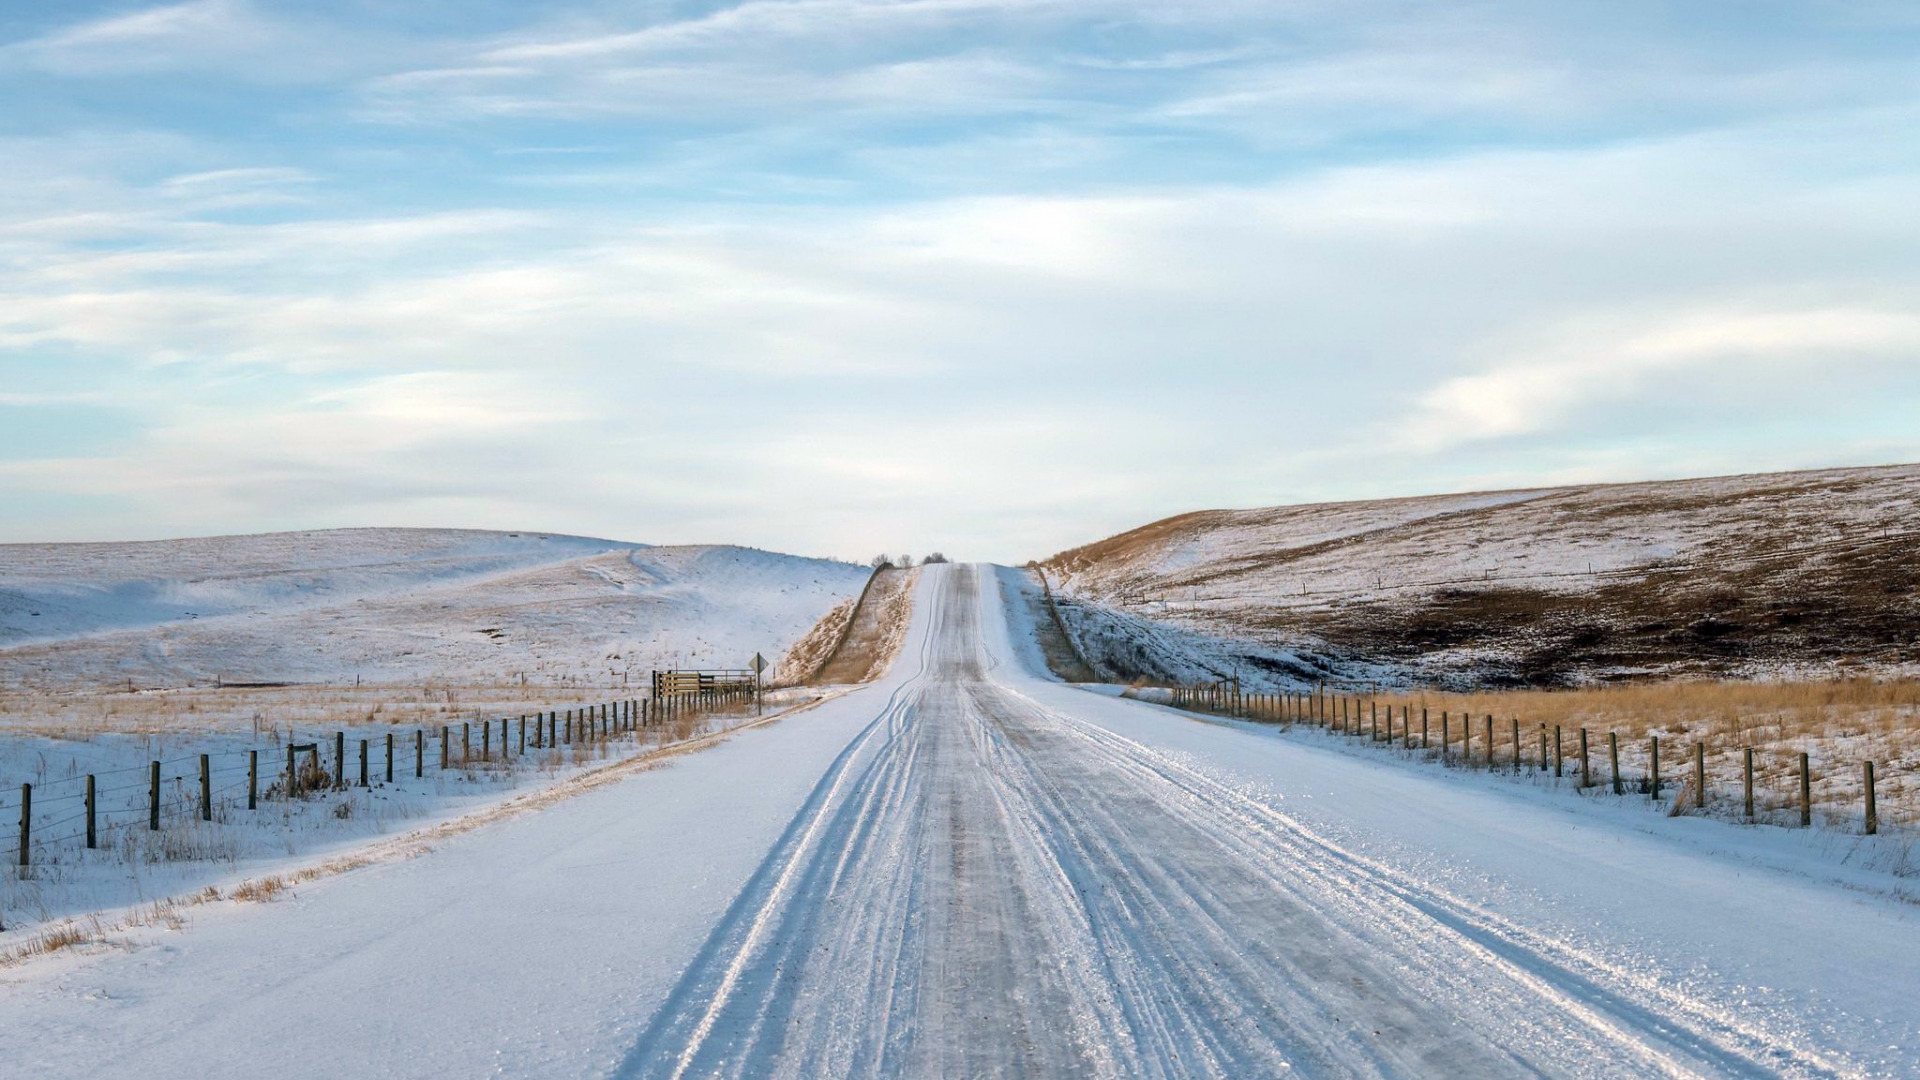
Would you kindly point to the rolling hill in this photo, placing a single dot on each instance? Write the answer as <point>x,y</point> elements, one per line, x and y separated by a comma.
<point>1779,574</point>
<point>396,604</point>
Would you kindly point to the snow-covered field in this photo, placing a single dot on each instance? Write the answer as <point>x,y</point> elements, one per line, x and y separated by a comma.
<point>113,656</point>
<point>1790,574</point>
<point>967,869</point>
<point>133,863</point>
<point>396,606</point>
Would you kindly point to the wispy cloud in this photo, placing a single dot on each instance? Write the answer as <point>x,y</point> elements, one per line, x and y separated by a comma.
<point>1782,354</point>
<point>203,39</point>
<point>992,275</point>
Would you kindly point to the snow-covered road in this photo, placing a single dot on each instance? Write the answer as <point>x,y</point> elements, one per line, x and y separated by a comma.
<point>966,870</point>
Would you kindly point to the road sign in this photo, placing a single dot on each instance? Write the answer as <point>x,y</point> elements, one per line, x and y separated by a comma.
<point>759,664</point>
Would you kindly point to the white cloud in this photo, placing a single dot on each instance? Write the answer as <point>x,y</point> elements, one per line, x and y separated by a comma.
<point>759,22</point>
<point>153,39</point>
<point>225,179</point>
<point>208,38</point>
<point>1596,363</point>
<point>173,22</point>
<point>943,269</point>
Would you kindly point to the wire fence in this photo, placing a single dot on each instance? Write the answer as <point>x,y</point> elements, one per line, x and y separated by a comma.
<point>98,808</point>
<point>1763,785</point>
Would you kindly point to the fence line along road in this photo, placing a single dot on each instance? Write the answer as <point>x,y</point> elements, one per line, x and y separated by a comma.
<point>81,810</point>
<point>1450,741</point>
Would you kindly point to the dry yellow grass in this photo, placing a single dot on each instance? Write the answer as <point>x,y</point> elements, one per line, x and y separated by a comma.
<point>1726,711</point>
<point>878,627</point>
<point>815,648</point>
<point>259,891</point>
<point>1840,724</point>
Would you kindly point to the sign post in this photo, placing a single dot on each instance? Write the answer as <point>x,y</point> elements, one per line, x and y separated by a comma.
<point>759,666</point>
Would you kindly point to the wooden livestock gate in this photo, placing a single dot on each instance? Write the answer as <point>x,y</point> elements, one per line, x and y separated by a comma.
<point>687,683</point>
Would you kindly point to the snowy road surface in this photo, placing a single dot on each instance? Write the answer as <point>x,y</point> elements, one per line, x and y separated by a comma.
<point>967,871</point>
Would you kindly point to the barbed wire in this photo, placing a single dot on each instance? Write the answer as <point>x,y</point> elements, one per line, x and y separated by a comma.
<point>178,800</point>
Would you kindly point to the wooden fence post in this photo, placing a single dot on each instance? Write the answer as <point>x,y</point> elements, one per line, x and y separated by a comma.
<point>466,742</point>
<point>206,788</point>
<point>253,779</point>
<point>1543,746</point>
<point>363,764</point>
<point>486,740</point>
<point>1516,745</point>
<point>1613,760</point>
<point>1806,793</point>
<point>92,805</point>
<point>1699,776</point>
<point>1489,741</point>
<point>153,797</point>
<point>293,772</point>
<point>339,761</point>
<point>419,753</point>
<point>1558,757</point>
<point>389,757</point>
<point>1653,766</point>
<point>446,737</point>
<point>523,736</point>
<point>1446,739</point>
<point>26,821</point>
<point>1586,768</point>
<point>1423,728</point>
<point>1873,811</point>
<point>1746,782</point>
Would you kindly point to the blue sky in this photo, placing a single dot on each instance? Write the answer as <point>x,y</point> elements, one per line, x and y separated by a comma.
<point>992,277</point>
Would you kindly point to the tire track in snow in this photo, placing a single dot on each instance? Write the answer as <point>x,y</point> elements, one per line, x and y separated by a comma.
<point>980,885</point>
<point>1728,1045</point>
